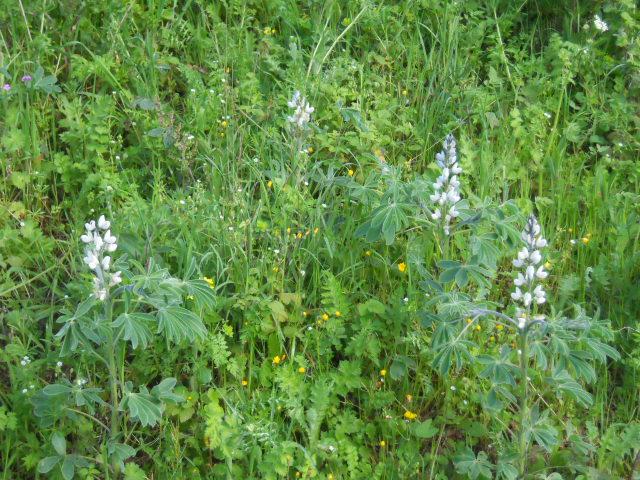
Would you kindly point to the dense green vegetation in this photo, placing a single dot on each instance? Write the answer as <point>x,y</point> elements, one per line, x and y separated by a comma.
<point>291,301</point>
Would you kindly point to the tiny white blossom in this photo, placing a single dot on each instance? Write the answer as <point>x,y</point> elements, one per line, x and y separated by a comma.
<point>103,224</point>
<point>59,364</point>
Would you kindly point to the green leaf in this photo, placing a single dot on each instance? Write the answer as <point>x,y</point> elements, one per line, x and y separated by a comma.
<point>57,389</point>
<point>59,443</point>
<point>467,463</point>
<point>179,324</point>
<point>136,327</point>
<point>143,407</point>
<point>46,464</point>
<point>202,293</point>
<point>425,429</point>
<point>68,468</point>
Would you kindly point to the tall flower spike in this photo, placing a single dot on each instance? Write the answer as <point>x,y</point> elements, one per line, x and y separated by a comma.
<point>97,246</point>
<point>447,187</point>
<point>529,260</point>
<point>302,111</point>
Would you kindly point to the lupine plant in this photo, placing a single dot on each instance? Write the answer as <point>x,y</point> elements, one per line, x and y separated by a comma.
<point>552,354</point>
<point>298,123</point>
<point>118,314</point>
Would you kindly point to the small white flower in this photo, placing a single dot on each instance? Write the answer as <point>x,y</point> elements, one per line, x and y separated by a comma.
<point>91,260</point>
<point>303,273</point>
<point>108,238</point>
<point>24,390</point>
<point>106,262</point>
<point>91,226</point>
<point>116,278</point>
<point>103,223</point>
<point>59,364</point>
<point>86,238</point>
<point>453,388</point>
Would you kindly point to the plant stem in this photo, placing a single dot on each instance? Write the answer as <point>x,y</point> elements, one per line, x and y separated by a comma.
<point>524,403</point>
<point>113,382</point>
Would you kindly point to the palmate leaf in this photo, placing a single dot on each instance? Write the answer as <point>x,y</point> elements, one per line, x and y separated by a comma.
<point>565,384</point>
<point>385,222</point>
<point>467,463</point>
<point>601,350</point>
<point>498,370</point>
<point>72,333</point>
<point>179,324</point>
<point>202,293</point>
<point>136,328</point>
<point>142,406</point>
<point>457,350</point>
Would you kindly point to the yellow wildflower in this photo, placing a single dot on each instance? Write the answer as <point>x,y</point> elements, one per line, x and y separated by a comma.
<point>383,372</point>
<point>405,92</point>
<point>277,360</point>
<point>310,150</point>
<point>547,265</point>
<point>382,443</point>
<point>492,338</point>
<point>244,382</point>
<point>500,327</point>
<point>302,370</point>
<point>368,253</point>
<point>224,124</point>
<point>478,327</point>
<point>409,397</point>
<point>325,317</point>
<point>338,313</point>
<point>210,281</point>
<point>409,415</point>
<point>305,314</point>
<point>270,184</point>
<point>316,230</point>
<point>402,266</point>
<point>585,240</point>
<point>351,172</point>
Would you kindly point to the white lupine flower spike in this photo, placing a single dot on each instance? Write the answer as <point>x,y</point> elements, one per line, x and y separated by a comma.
<point>447,186</point>
<point>527,293</point>
<point>97,245</point>
<point>302,111</point>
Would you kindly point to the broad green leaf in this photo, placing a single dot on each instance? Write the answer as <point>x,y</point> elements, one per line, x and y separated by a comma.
<point>467,463</point>
<point>46,464</point>
<point>179,324</point>
<point>425,429</point>
<point>143,407</point>
<point>59,443</point>
<point>136,328</point>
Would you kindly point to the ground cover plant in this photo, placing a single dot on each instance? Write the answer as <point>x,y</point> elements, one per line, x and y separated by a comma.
<point>322,240</point>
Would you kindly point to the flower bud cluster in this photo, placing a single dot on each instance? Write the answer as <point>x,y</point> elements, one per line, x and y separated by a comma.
<point>447,187</point>
<point>99,241</point>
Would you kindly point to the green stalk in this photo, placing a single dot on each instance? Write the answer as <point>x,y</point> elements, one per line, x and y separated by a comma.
<point>113,382</point>
<point>524,403</point>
